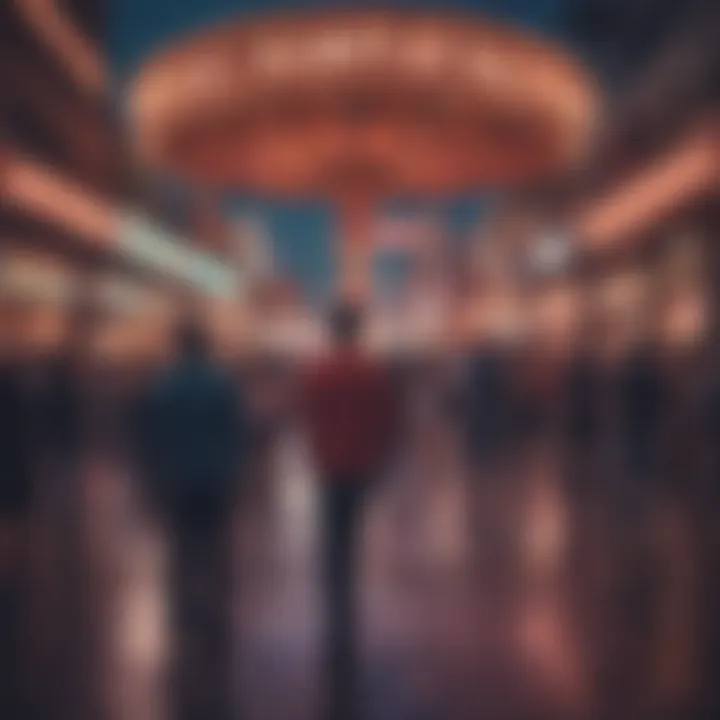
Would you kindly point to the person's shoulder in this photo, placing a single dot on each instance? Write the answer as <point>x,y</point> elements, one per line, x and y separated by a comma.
<point>313,374</point>
<point>319,366</point>
<point>334,371</point>
<point>371,370</point>
<point>168,378</point>
<point>225,381</point>
<point>211,374</point>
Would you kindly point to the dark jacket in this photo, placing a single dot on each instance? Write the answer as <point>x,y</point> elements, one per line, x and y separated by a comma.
<point>61,410</point>
<point>641,396</point>
<point>192,433</point>
<point>488,401</point>
<point>583,400</point>
<point>642,405</point>
<point>15,445</point>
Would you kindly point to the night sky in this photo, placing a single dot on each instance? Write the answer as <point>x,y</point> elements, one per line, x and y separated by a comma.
<point>302,233</point>
<point>140,26</point>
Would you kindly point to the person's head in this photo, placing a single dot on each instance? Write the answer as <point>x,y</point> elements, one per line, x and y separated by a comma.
<point>191,340</point>
<point>345,325</point>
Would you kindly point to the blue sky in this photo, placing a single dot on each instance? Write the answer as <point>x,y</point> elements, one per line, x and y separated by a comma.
<point>302,233</point>
<point>140,26</point>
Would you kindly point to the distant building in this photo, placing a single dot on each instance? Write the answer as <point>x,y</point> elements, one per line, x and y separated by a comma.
<point>255,256</point>
<point>406,247</point>
<point>411,280</point>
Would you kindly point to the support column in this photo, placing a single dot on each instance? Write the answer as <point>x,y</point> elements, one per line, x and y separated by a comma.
<point>354,282</point>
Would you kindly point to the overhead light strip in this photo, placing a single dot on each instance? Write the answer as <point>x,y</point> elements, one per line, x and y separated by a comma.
<point>45,194</point>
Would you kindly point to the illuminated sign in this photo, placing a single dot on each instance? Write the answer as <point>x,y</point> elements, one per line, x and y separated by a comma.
<point>34,276</point>
<point>146,243</point>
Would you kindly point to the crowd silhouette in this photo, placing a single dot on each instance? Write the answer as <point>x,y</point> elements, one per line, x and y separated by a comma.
<point>634,445</point>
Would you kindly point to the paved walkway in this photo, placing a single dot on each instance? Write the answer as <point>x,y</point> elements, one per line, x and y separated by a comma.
<point>469,609</point>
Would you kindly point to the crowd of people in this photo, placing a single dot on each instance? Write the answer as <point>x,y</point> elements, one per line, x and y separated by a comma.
<point>630,428</point>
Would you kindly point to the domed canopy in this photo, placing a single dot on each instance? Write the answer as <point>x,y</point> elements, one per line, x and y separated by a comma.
<point>326,104</point>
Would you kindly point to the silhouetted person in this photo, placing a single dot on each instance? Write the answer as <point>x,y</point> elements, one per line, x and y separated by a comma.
<point>585,386</point>
<point>641,396</point>
<point>15,444</point>
<point>712,523</point>
<point>61,413</point>
<point>488,406</point>
<point>488,420</point>
<point>193,438</point>
<point>352,419</point>
<point>15,506</point>
<point>711,421</point>
<point>583,433</point>
<point>631,590</point>
<point>62,407</point>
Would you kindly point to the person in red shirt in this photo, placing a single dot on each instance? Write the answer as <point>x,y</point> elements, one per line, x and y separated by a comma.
<point>352,419</point>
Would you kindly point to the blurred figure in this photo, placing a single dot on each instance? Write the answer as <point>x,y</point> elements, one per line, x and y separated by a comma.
<point>488,418</point>
<point>586,385</point>
<point>62,410</point>
<point>488,406</point>
<point>15,507</point>
<point>62,404</point>
<point>641,391</point>
<point>352,418</point>
<point>584,430</point>
<point>584,410</point>
<point>193,439</point>
<point>712,529</point>
<point>631,506</point>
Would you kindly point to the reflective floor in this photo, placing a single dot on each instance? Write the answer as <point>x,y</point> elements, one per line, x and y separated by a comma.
<point>493,596</point>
